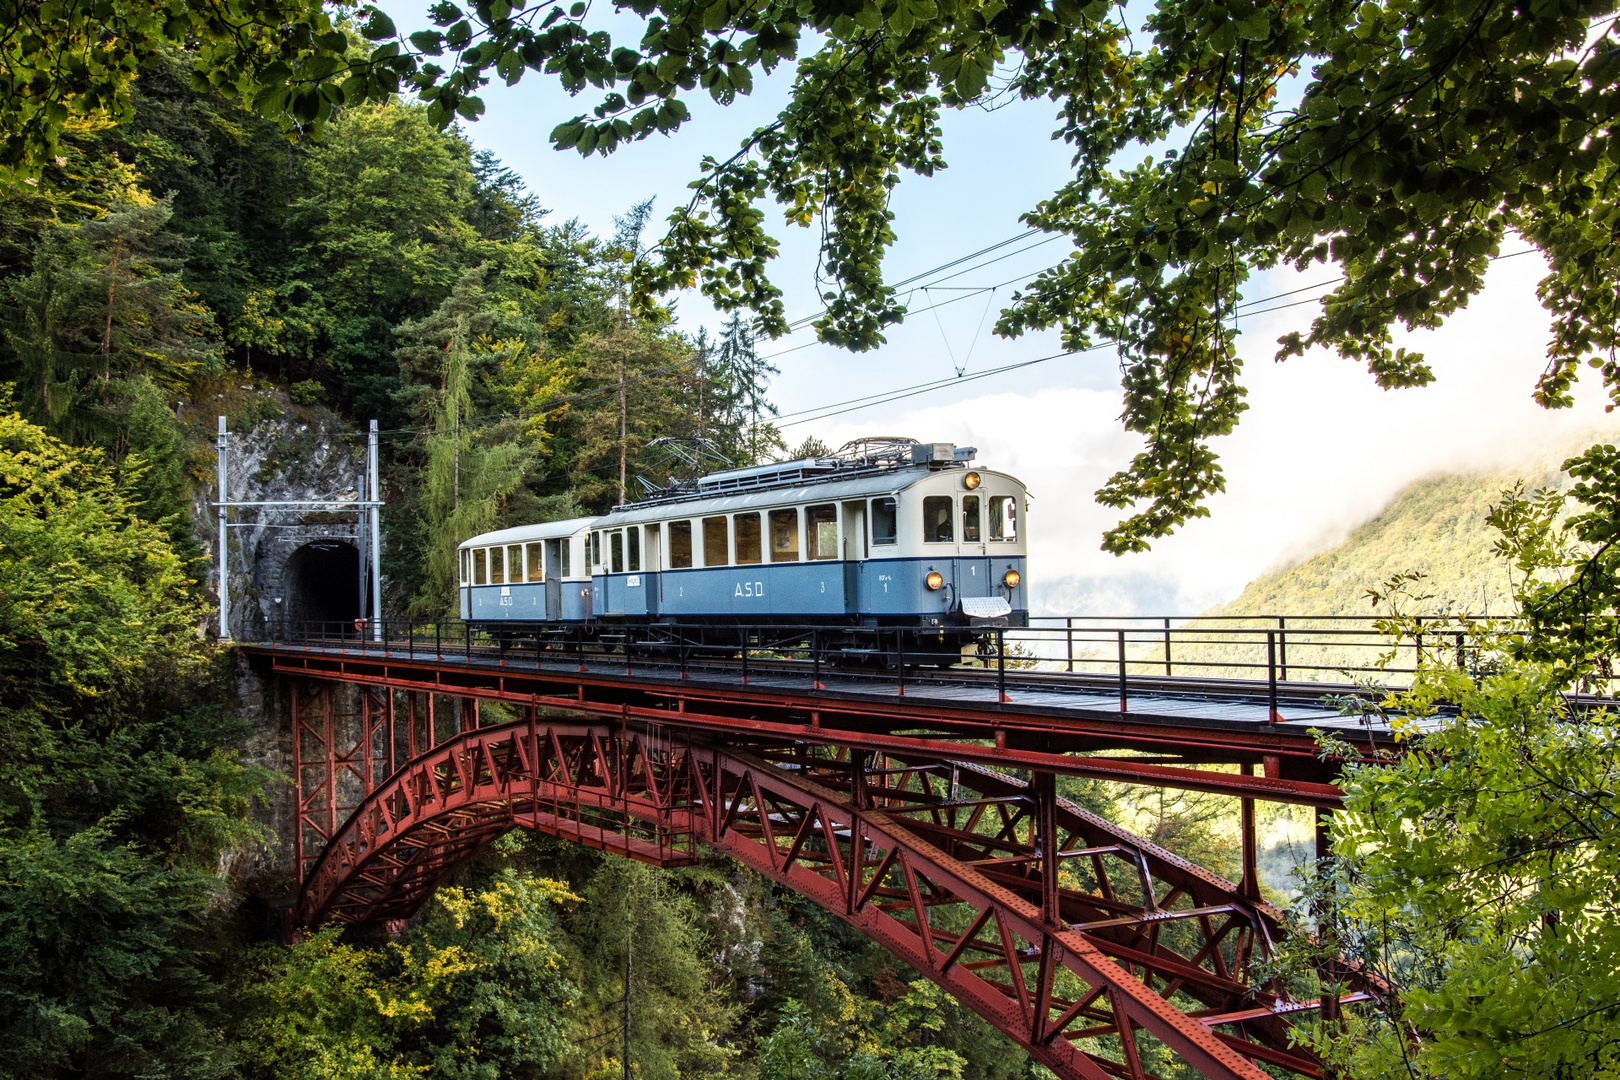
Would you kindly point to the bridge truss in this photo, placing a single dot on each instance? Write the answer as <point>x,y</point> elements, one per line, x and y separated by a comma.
<point>1096,951</point>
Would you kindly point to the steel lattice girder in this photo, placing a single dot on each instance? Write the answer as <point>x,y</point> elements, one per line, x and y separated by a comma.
<point>1084,944</point>
<point>999,736</point>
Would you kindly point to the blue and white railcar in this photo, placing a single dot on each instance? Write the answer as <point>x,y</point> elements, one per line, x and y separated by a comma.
<point>890,534</point>
<point>528,574</point>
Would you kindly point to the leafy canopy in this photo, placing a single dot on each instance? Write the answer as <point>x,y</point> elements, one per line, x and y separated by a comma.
<point>1400,142</point>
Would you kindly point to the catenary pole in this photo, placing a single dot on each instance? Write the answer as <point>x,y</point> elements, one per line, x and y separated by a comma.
<point>224,568</point>
<point>375,494</point>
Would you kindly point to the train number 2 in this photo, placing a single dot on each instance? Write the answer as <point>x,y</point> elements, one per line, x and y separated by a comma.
<point>749,589</point>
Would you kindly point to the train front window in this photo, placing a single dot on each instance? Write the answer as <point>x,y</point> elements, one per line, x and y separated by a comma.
<point>514,561</point>
<point>616,551</point>
<point>632,540</point>
<point>680,545</point>
<point>537,562</point>
<point>746,533</point>
<point>885,521</point>
<point>1003,517</point>
<point>497,567</point>
<point>784,536</point>
<point>937,519</point>
<point>714,542</point>
<point>970,519</point>
<point>821,531</point>
<point>596,549</point>
<point>479,577</point>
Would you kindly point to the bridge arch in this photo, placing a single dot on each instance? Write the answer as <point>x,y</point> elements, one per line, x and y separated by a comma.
<point>1067,933</point>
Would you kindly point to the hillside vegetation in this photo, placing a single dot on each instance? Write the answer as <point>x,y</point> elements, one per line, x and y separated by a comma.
<point>1435,527</point>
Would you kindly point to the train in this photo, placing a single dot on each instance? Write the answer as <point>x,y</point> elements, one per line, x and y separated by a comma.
<point>887,540</point>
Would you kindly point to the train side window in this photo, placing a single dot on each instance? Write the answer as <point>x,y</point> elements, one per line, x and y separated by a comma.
<point>616,551</point>
<point>596,549</point>
<point>497,566</point>
<point>821,531</point>
<point>632,541</point>
<point>514,563</point>
<point>478,567</point>
<point>567,551</point>
<point>970,519</point>
<point>680,545</point>
<point>466,566</point>
<point>746,533</point>
<point>714,542</point>
<point>885,521</point>
<point>937,519</point>
<point>1003,517</point>
<point>537,562</point>
<point>784,536</point>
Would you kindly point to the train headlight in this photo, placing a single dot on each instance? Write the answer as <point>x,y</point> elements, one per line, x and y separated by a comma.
<point>935,581</point>
<point>1011,579</point>
<point>972,480</point>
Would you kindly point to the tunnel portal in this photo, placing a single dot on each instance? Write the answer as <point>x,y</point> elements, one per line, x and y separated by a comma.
<point>322,582</point>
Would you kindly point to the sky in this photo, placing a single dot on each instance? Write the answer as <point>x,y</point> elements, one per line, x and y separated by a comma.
<point>1320,450</point>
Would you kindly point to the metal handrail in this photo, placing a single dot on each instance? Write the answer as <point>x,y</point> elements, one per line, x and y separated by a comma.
<point>1289,657</point>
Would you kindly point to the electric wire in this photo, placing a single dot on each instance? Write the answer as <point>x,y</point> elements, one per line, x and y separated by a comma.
<point>839,408</point>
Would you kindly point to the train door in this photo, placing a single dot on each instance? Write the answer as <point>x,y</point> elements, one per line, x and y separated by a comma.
<point>854,554</point>
<point>973,569</point>
<point>554,579</point>
<point>652,563</point>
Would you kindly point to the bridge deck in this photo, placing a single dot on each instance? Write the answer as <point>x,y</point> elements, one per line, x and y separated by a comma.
<point>1025,718</point>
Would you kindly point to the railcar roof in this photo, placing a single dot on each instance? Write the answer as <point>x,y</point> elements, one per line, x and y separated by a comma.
<point>550,530</point>
<point>877,483</point>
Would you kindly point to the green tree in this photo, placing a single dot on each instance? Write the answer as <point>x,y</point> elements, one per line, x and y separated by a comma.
<point>105,299</point>
<point>1475,872</point>
<point>681,1017</point>
<point>68,65</point>
<point>476,991</point>
<point>1400,143</point>
<point>117,804</point>
<point>466,473</point>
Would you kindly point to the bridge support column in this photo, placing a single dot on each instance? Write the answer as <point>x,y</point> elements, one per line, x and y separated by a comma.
<point>1249,885</point>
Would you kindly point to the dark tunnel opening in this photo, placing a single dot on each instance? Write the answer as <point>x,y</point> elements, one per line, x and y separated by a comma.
<point>322,583</point>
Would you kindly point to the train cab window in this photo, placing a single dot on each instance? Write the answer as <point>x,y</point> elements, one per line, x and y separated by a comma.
<point>497,567</point>
<point>537,562</point>
<point>616,551</point>
<point>1003,517</point>
<point>885,521</point>
<point>784,536</point>
<point>714,542</point>
<point>466,566</point>
<point>680,545</point>
<point>970,520</point>
<point>821,531</point>
<point>745,530</point>
<point>514,563</point>
<point>632,542</point>
<point>596,549</point>
<point>937,519</point>
<point>479,577</point>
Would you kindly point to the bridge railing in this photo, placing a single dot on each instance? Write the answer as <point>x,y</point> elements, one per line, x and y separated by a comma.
<point>1280,657</point>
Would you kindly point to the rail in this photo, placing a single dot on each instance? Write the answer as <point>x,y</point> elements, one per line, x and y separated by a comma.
<point>1279,658</point>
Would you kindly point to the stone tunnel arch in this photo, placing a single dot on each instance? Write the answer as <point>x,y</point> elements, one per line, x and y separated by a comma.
<point>321,583</point>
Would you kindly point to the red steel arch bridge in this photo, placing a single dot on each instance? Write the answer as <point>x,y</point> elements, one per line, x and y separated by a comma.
<point>920,807</point>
